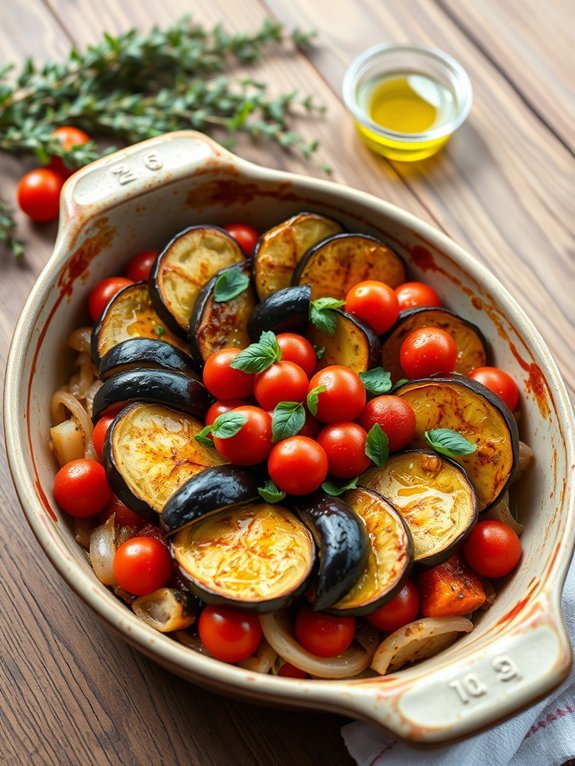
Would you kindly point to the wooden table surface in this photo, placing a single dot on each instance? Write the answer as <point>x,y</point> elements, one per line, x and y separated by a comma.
<point>73,694</point>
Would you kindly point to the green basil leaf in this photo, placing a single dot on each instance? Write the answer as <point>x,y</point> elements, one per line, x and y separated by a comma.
<point>327,303</point>
<point>228,424</point>
<point>335,490</point>
<point>159,330</point>
<point>288,419</point>
<point>401,382</point>
<point>376,381</point>
<point>377,445</point>
<point>257,357</point>
<point>313,397</point>
<point>448,442</point>
<point>270,493</point>
<point>230,284</point>
<point>203,437</point>
<point>322,316</point>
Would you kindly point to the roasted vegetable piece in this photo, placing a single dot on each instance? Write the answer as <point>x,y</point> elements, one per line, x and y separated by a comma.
<point>354,345</point>
<point>150,451</point>
<point>463,405</point>
<point>130,314</point>
<point>450,589</point>
<point>342,542</point>
<point>434,497</point>
<point>280,249</point>
<point>217,324</point>
<point>211,490</point>
<point>190,260</point>
<point>258,557</point>
<point>334,266</point>
<point>284,311</point>
<point>182,391</point>
<point>166,610</point>
<point>389,558</point>
<point>471,345</point>
<point>144,353</point>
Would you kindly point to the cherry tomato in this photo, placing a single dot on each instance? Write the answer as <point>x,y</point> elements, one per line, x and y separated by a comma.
<point>38,194</point>
<point>321,634</point>
<point>81,488</point>
<point>125,517</point>
<point>219,407</point>
<point>253,441</point>
<point>373,302</point>
<point>344,397</point>
<point>99,433</point>
<point>68,136</point>
<point>312,426</point>
<point>282,382</point>
<point>140,266</point>
<point>394,415</point>
<point>221,380</point>
<point>103,293</point>
<point>427,351</point>
<point>229,634</point>
<point>498,381</point>
<point>142,565</point>
<point>344,445</point>
<point>411,295</point>
<point>299,350</point>
<point>287,670</point>
<point>402,609</point>
<point>244,235</point>
<point>492,549</point>
<point>297,465</point>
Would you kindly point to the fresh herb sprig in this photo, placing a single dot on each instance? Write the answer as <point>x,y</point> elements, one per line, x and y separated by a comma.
<point>136,86</point>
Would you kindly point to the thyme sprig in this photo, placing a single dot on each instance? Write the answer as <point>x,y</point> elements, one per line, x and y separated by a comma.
<point>136,86</point>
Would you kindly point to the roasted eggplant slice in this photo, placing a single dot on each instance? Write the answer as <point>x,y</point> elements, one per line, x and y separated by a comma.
<point>389,557</point>
<point>218,324</point>
<point>284,311</point>
<point>334,266</point>
<point>258,557</point>
<point>280,249</point>
<point>466,406</point>
<point>433,495</point>
<point>181,391</point>
<point>342,542</point>
<point>354,345</point>
<point>129,315</point>
<point>144,353</point>
<point>212,490</point>
<point>471,345</point>
<point>190,260</point>
<point>150,451</point>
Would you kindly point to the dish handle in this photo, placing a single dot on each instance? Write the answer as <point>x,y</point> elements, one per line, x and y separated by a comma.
<point>478,690</point>
<point>137,170</point>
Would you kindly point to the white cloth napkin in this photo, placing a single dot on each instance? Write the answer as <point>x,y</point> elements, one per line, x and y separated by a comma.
<point>543,735</point>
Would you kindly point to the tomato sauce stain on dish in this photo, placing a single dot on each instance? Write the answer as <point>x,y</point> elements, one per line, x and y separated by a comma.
<point>519,606</point>
<point>44,500</point>
<point>536,382</point>
<point>79,262</point>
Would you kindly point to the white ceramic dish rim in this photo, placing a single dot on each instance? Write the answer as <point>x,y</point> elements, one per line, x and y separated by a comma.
<point>394,703</point>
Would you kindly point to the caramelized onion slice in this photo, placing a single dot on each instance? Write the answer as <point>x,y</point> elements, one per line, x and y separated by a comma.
<point>262,661</point>
<point>103,550</point>
<point>417,641</point>
<point>166,610</point>
<point>276,630</point>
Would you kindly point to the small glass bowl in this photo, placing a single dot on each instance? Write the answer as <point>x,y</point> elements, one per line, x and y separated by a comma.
<point>387,59</point>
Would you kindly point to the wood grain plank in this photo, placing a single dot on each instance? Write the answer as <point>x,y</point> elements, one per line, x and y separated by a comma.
<point>532,44</point>
<point>501,188</point>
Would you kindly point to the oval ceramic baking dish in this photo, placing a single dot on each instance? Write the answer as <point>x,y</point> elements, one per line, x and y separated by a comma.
<point>138,199</point>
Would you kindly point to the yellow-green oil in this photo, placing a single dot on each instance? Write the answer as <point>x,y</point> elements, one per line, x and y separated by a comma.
<point>408,104</point>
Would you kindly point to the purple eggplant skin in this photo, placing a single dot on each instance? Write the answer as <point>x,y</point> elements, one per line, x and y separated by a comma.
<point>214,489</point>
<point>286,310</point>
<point>343,545</point>
<point>181,391</point>
<point>144,353</point>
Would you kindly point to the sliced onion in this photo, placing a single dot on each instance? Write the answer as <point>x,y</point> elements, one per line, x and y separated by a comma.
<point>67,441</point>
<point>262,661</point>
<point>80,383</point>
<point>502,512</point>
<point>417,641</point>
<point>275,628</point>
<point>526,457</point>
<point>91,393</point>
<point>83,529</point>
<point>103,550</point>
<point>166,610</point>
<point>80,339</point>
<point>64,400</point>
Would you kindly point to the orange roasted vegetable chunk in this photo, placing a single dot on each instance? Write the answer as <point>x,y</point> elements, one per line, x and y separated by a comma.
<point>450,590</point>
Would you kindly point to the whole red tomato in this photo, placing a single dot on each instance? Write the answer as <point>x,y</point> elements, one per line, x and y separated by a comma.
<point>411,295</point>
<point>244,235</point>
<point>492,549</point>
<point>344,445</point>
<point>282,382</point>
<point>402,609</point>
<point>222,380</point>
<point>229,634</point>
<point>140,266</point>
<point>373,302</point>
<point>142,565</point>
<point>297,465</point>
<point>344,395</point>
<point>81,488</point>
<point>103,293</point>
<point>498,381</point>
<point>299,350</point>
<point>68,136</point>
<point>220,406</point>
<point>38,194</point>
<point>427,351</point>
<point>394,415</point>
<point>252,443</point>
<point>322,634</point>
